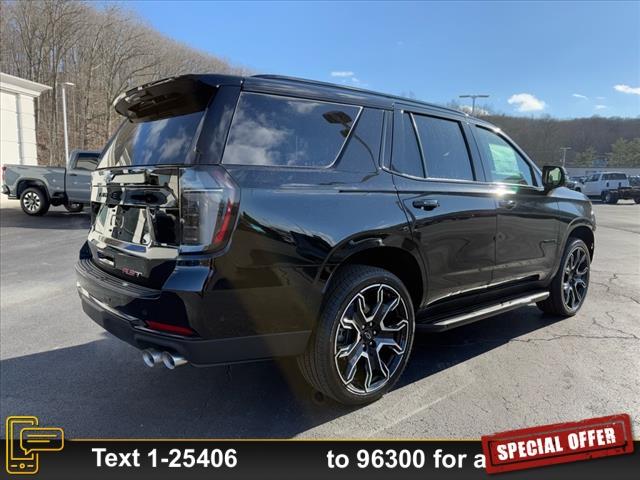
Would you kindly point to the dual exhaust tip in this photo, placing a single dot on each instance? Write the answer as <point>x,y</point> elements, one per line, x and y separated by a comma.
<point>152,357</point>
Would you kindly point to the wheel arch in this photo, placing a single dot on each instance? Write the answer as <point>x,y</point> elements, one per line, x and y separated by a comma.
<point>25,183</point>
<point>396,260</point>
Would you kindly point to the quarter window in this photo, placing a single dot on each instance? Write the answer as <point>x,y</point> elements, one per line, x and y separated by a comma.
<point>280,131</point>
<point>407,159</point>
<point>444,148</point>
<point>504,163</point>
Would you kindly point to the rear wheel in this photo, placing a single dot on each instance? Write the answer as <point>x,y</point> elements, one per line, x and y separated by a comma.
<point>74,207</point>
<point>610,198</point>
<point>363,338</point>
<point>34,201</point>
<point>569,287</point>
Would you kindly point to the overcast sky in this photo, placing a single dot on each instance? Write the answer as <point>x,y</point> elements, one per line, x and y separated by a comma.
<point>570,59</point>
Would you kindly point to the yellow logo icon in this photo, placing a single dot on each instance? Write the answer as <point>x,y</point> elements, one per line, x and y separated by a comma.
<point>25,441</point>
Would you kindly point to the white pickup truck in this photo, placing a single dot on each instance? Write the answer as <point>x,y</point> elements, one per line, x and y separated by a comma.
<point>39,187</point>
<point>610,187</point>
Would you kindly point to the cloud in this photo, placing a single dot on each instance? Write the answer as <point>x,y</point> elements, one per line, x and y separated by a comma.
<point>479,111</point>
<point>627,89</point>
<point>579,95</point>
<point>600,107</point>
<point>525,102</point>
<point>342,73</point>
<point>601,98</point>
<point>355,80</point>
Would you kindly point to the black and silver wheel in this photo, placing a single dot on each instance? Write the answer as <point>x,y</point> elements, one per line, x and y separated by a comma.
<point>34,202</point>
<point>74,207</point>
<point>364,336</point>
<point>570,285</point>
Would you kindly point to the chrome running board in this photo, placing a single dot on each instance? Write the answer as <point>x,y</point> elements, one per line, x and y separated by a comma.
<point>484,312</point>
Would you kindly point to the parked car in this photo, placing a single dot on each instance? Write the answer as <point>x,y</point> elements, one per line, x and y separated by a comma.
<point>237,219</point>
<point>575,183</point>
<point>39,187</point>
<point>611,187</point>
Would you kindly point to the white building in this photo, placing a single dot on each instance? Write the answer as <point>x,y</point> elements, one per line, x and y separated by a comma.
<point>17,119</point>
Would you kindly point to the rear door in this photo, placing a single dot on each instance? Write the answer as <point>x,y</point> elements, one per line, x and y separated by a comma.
<point>450,208</point>
<point>78,182</point>
<point>527,236</point>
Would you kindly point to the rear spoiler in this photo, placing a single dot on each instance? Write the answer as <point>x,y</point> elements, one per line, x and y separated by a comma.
<point>165,98</point>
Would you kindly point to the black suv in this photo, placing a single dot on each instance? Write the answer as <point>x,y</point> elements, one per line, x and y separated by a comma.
<point>238,219</point>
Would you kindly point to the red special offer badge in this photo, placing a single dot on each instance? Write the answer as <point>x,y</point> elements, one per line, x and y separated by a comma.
<point>559,443</point>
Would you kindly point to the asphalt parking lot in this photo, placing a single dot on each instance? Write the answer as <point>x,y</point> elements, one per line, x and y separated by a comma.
<point>516,370</point>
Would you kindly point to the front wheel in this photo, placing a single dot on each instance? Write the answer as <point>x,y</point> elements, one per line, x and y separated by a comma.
<point>74,207</point>
<point>34,201</point>
<point>363,338</point>
<point>569,287</point>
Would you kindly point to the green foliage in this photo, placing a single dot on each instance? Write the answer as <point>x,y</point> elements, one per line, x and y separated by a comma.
<point>625,153</point>
<point>586,158</point>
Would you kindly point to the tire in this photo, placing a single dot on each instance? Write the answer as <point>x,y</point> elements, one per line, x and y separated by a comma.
<point>636,199</point>
<point>579,190</point>
<point>610,198</point>
<point>74,207</point>
<point>348,334</point>
<point>34,201</point>
<point>575,274</point>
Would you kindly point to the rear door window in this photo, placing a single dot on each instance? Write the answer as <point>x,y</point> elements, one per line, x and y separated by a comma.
<point>444,148</point>
<point>503,162</point>
<point>271,130</point>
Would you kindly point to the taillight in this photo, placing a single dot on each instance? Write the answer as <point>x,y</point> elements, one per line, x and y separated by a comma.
<point>209,201</point>
<point>4,168</point>
<point>175,329</point>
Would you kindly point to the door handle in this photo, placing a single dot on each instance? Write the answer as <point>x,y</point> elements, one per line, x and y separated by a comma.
<point>507,203</point>
<point>73,174</point>
<point>426,204</point>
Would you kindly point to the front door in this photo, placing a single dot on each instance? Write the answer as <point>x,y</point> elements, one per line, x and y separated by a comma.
<point>78,182</point>
<point>527,238</point>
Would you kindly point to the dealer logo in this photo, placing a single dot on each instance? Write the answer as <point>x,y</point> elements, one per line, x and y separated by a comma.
<point>25,441</point>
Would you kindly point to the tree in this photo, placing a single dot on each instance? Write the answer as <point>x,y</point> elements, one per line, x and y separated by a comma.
<point>586,158</point>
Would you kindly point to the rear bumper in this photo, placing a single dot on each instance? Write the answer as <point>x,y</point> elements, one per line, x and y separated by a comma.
<point>109,302</point>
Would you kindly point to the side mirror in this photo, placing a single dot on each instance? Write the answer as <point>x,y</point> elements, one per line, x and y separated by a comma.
<point>553,177</point>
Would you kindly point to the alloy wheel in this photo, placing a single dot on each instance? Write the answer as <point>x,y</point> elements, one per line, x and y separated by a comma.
<point>371,339</point>
<point>31,202</point>
<point>575,280</point>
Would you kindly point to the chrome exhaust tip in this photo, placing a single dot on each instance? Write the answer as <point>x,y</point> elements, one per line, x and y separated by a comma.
<point>172,361</point>
<point>151,357</point>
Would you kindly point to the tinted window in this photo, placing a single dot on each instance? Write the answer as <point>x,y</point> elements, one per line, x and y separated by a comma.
<point>272,130</point>
<point>86,162</point>
<point>363,147</point>
<point>406,158</point>
<point>504,163</point>
<point>615,176</point>
<point>444,148</point>
<point>166,141</point>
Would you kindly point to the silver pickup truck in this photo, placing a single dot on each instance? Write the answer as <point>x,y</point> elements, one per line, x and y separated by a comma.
<point>40,187</point>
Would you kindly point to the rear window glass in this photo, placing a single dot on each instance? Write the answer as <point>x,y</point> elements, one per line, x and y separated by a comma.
<point>158,142</point>
<point>271,130</point>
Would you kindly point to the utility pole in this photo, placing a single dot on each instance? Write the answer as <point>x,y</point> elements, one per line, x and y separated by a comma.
<point>564,154</point>
<point>473,99</point>
<point>64,120</point>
